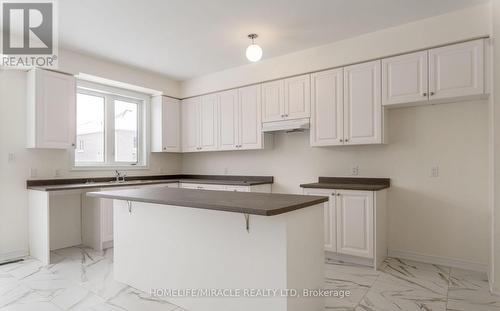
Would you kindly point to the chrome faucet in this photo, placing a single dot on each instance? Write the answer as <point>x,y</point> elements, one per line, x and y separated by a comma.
<point>120,177</point>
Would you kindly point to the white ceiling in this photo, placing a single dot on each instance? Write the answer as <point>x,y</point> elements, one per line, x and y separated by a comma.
<point>189,38</point>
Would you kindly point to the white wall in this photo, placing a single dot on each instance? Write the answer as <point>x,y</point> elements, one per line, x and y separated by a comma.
<point>446,216</point>
<point>74,63</point>
<point>495,152</point>
<point>460,25</point>
<point>13,175</point>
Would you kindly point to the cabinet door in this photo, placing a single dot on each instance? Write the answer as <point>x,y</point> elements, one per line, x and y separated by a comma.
<point>171,125</point>
<point>52,110</point>
<point>457,70</point>
<point>190,124</point>
<point>298,97</point>
<point>228,118</point>
<point>327,116</point>
<point>405,79</point>
<point>355,223</point>
<point>362,104</point>
<point>209,125</point>
<point>329,219</point>
<point>250,125</point>
<point>273,102</point>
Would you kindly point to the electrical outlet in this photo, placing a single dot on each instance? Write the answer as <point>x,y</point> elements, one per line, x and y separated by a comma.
<point>33,172</point>
<point>57,173</point>
<point>11,157</point>
<point>355,170</point>
<point>435,171</point>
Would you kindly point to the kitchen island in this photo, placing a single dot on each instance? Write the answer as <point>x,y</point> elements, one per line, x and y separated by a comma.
<point>216,250</point>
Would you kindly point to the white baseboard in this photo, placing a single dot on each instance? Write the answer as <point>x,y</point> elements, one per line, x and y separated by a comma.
<point>351,259</point>
<point>438,260</point>
<point>22,253</point>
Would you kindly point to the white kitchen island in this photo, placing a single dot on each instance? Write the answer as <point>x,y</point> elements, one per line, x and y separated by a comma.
<point>192,246</point>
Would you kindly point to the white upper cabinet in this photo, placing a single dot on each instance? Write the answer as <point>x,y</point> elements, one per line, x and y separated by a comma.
<point>209,122</point>
<point>51,110</point>
<point>404,79</point>
<point>327,116</point>
<point>249,125</point>
<point>355,235</point>
<point>228,118</point>
<point>273,101</point>
<point>286,99</point>
<point>297,97</point>
<point>456,70</point>
<point>362,104</point>
<point>165,124</point>
<point>190,124</point>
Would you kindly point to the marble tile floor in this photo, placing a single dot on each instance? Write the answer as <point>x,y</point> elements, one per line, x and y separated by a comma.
<point>82,279</point>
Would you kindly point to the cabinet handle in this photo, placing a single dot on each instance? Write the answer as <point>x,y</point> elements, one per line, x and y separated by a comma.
<point>164,148</point>
<point>341,140</point>
<point>432,93</point>
<point>338,194</point>
<point>424,94</point>
<point>346,140</point>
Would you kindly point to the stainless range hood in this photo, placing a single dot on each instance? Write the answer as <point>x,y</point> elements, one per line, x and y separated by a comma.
<point>286,125</point>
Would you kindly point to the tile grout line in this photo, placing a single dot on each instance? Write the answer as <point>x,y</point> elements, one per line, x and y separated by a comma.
<point>363,297</point>
<point>447,289</point>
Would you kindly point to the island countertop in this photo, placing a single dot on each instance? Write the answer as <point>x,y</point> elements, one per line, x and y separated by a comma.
<point>264,204</point>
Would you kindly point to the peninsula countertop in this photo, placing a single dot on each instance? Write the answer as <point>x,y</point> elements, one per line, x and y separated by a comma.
<point>264,204</point>
<point>104,182</point>
<point>350,183</point>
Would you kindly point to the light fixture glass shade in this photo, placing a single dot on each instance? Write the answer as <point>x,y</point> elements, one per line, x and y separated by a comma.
<point>254,53</point>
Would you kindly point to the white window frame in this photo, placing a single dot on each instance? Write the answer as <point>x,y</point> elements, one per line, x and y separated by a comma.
<point>110,94</point>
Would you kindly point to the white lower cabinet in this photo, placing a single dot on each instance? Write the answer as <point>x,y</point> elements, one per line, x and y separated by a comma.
<point>354,224</point>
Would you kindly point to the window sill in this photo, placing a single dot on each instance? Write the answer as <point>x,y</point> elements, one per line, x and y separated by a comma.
<point>109,168</point>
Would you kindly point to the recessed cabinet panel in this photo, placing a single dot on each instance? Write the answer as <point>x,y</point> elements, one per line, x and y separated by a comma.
<point>228,119</point>
<point>250,117</point>
<point>51,110</point>
<point>457,70</point>
<point>362,104</point>
<point>190,124</point>
<point>273,101</point>
<point>327,117</point>
<point>298,97</point>
<point>405,79</point>
<point>209,122</point>
<point>355,223</point>
<point>171,127</point>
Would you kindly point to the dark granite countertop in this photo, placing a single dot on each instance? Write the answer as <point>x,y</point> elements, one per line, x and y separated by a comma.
<point>105,182</point>
<point>265,204</point>
<point>350,183</point>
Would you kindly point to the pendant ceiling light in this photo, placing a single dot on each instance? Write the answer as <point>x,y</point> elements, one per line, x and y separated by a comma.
<point>254,51</point>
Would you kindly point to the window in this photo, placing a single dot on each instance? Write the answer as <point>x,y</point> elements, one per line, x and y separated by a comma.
<point>109,128</point>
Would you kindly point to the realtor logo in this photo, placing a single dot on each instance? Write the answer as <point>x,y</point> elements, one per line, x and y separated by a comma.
<point>28,34</point>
